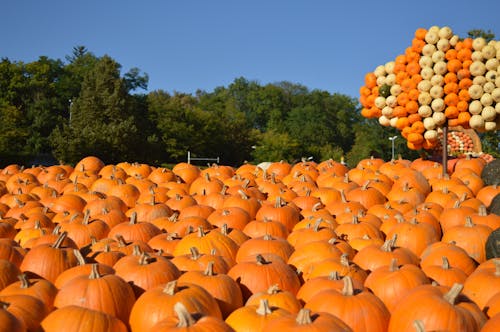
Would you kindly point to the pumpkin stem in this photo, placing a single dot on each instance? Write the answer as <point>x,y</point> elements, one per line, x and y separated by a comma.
<point>468,222</point>
<point>261,260</point>
<point>304,317</point>
<point>185,318</point>
<point>453,293</point>
<point>344,259</point>
<point>334,275</point>
<point>209,271</point>
<point>273,289</point>
<point>394,265</point>
<point>136,250</point>
<point>264,309</point>
<point>224,229</point>
<point>497,267</point>
<point>94,273</point>
<point>79,257</point>
<point>446,263</point>
<point>25,282</point>
<point>418,325</point>
<point>86,217</point>
<point>133,218</point>
<point>348,289</point>
<point>316,207</point>
<point>60,240</point>
<point>195,253</point>
<point>144,259</point>
<point>170,287</point>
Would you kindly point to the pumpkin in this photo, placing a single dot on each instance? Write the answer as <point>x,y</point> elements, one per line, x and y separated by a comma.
<point>75,318</point>
<point>28,309</point>
<point>39,288</point>
<point>258,275</point>
<point>254,317</point>
<point>492,246</point>
<point>391,283</point>
<point>157,303</point>
<point>305,320</point>
<point>108,293</point>
<point>9,322</point>
<point>438,308</point>
<point>276,298</point>
<point>360,309</point>
<point>185,321</point>
<point>223,288</point>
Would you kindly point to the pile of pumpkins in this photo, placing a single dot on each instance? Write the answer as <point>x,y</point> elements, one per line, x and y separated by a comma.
<point>385,246</point>
<point>440,80</point>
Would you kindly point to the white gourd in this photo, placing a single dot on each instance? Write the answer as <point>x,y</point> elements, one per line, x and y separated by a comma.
<point>424,85</point>
<point>389,67</point>
<point>438,105</point>
<point>437,79</point>
<point>479,80</point>
<point>390,79</point>
<point>384,121</point>
<point>491,75</point>
<point>424,98</point>
<point>440,68</point>
<point>475,107</point>
<point>379,71</point>
<point>495,95</point>
<point>427,73</point>
<point>425,61</point>
<point>438,56</point>
<point>477,56</point>
<point>436,91</point>
<point>381,80</point>
<point>486,99</point>
<point>489,52</point>
<point>475,91</point>
<point>492,64</point>
<point>477,68</point>
<point>488,113</point>
<point>490,125</point>
<point>454,40</point>
<point>429,123</point>
<point>478,43</point>
<point>387,111</point>
<point>431,135</point>
<point>428,50</point>
<point>443,44</point>
<point>393,121</point>
<point>489,87</point>
<point>380,102</point>
<point>425,111</point>
<point>439,117</point>
<point>391,101</point>
<point>476,122</point>
<point>431,37</point>
<point>445,32</point>
<point>395,90</point>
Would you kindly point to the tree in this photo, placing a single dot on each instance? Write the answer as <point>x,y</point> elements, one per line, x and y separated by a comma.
<point>100,121</point>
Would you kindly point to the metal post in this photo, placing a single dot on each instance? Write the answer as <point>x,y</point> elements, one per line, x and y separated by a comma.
<point>444,144</point>
<point>189,157</point>
<point>392,139</point>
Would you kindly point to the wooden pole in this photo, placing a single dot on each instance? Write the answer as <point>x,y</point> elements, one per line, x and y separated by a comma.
<point>445,150</point>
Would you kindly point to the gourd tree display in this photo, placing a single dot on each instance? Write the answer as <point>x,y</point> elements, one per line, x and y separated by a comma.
<point>441,82</point>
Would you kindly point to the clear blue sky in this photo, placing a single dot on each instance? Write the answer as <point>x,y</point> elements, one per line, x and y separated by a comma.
<point>187,45</point>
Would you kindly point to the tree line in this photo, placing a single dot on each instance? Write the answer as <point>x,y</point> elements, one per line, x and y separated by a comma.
<point>61,111</point>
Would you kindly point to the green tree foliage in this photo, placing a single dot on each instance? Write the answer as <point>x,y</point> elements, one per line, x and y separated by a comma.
<point>100,121</point>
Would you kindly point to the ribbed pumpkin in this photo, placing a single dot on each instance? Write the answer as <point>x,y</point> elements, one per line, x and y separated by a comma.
<point>158,303</point>
<point>360,309</point>
<point>258,275</point>
<point>438,308</point>
<point>254,317</point>
<point>307,321</point>
<point>75,318</point>
<point>106,293</point>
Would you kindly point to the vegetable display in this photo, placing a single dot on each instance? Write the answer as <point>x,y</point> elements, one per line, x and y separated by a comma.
<point>358,248</point>
<point>440,80</point>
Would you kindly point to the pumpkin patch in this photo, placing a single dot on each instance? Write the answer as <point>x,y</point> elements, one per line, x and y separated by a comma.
<point>250,255</point>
